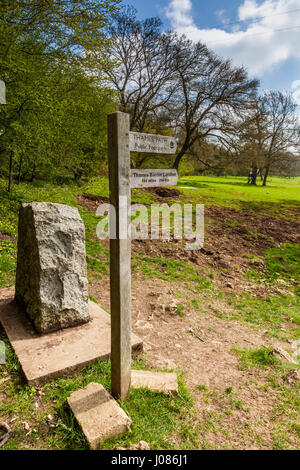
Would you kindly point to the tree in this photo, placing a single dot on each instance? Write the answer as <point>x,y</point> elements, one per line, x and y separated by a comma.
<point>143,76</point>
<point>282,130</point>
<point>268,134</point>
<point>163,75</point>
<point>208,87</point>
<point>49,51</point>
<point>243,137</point>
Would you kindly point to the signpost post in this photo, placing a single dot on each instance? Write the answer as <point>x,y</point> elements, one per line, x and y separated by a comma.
<point>120,143</point>
<point>120,254</point>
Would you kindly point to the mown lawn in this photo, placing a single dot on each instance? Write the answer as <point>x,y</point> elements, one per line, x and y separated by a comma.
<point>278,197</point>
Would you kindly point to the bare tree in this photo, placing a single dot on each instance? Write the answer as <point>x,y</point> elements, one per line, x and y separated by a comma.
<point>269,135</point>
<point>245,135</point>
<point>144,73</point>
<point>282,130</point>
<point>208,88</point>
<point>160,74</point>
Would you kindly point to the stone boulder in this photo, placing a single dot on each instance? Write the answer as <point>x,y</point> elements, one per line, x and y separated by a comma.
<point>51,280</point>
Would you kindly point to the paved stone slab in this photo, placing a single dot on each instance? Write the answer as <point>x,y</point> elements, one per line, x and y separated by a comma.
<point>98,414</point>
<point>44,357</point>
<point>165,382</point>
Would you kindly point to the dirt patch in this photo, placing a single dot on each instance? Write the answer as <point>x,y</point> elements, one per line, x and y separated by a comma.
<point>5,237</point>
<point>199,343</point>
<point>231,237</point>
<point>90,201</point>
<point>229,251</point>
<point>162,192</point>
<point>259,232</point>
<point>201,346</point>
<point>234,405</point>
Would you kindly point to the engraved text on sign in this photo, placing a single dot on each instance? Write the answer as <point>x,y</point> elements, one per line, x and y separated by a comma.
<point>151,143</point>
<point>152,178</point>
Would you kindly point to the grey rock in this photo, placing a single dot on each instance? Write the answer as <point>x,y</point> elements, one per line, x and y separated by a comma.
<point>283,355</point>
<point>51,280</point>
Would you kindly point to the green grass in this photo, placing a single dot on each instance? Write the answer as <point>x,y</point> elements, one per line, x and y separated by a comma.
<point>8,252</point>
<point>282,270</point>
<point>171,270</point>
<point>273,309</point>
<point>97,255</point>
<point>280,197</point>
<point>157,419</point>
<point>284,262</point>
<point>285,432</point>
<point>250,358</point>
<point>278,314</point>
<point>282,265</point>
<point>281,262</point>
<point>168,422</point>
<point>271,312</point>
<point>284,429</point>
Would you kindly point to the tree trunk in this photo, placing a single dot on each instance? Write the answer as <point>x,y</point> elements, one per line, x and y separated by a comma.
<point>32,174</point>
<point>141,158</point>
<point>178,159</point>
<point>266,176</point>
<point>20,168</point>
<point>254,175</point>
<point>10,175</point>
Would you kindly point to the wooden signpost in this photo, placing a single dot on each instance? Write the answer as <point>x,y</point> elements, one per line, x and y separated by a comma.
<point>120,143</point>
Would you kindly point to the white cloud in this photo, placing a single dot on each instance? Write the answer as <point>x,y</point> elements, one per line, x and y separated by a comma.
<point>270,37</point>
<point>296,91</point>
<point>179,13</point>
<point>222,17</point>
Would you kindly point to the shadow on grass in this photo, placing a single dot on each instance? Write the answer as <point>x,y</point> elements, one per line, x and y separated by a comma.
<point>194,184</point>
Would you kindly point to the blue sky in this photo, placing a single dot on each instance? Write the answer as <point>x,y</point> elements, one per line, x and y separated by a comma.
<point>262,35</point>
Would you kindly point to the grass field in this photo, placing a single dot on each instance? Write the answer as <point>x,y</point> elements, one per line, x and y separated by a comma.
<point>245,284</point>
<point>278,197</point>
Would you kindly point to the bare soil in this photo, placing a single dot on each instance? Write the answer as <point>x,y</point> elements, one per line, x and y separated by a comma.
<point>231,237</point>
<point>201,347</point>
<point>200,344</point>
<point>5,237</point>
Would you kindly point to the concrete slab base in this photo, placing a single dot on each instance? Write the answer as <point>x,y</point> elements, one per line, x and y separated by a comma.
<point>165,382</point>
<point>98,414</point>
<point>45,357</point>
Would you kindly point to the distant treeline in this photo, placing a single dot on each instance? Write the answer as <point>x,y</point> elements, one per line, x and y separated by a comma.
<point>66,65</point>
